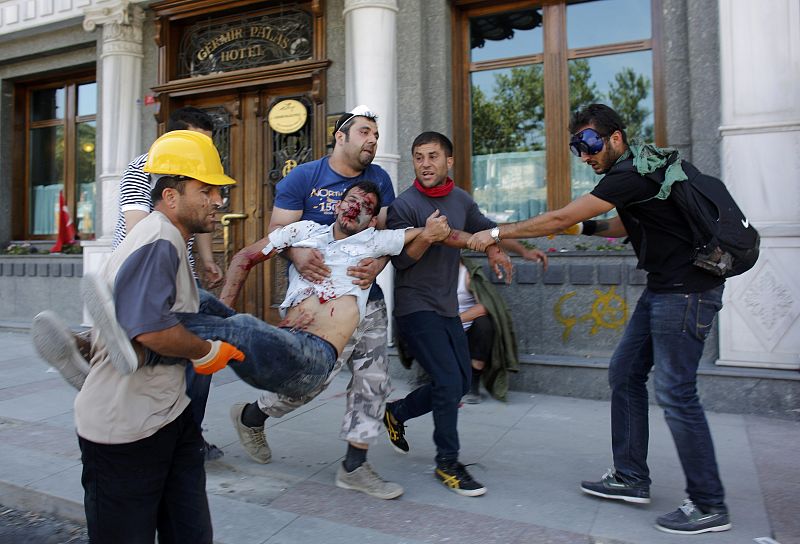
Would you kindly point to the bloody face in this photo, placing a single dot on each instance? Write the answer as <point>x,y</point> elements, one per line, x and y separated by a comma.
<point>355,211</point>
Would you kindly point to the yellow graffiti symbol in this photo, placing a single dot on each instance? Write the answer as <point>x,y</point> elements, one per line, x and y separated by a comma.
<point>288,166</point>
<point>608,311</point>
<point>568,322</point>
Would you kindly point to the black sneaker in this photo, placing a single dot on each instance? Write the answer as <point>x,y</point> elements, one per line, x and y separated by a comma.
<point>396,432</point>
<point>610,487</point>
<point>688,519</point>
<point>455,476</point>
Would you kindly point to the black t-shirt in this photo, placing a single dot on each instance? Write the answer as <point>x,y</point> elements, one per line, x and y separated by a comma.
<point>658,232</point>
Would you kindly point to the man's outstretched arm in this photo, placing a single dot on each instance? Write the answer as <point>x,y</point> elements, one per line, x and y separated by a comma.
<point>498,259</point>
<point>266,248</point>
<point>500,262</point>
<point>553,222</point>
<point>239,269</point>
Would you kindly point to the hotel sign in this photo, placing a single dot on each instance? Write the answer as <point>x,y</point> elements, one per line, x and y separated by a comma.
<point>209,48</point>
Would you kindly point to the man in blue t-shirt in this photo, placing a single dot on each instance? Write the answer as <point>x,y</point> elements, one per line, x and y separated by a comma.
<point>311,192</point>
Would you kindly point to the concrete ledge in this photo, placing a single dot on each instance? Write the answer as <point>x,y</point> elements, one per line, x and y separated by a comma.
<point>734,390</point>
<point>36,500</point>
<point>32,283</point>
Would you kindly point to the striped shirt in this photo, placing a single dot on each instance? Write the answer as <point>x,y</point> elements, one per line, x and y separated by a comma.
<point>134,194</point>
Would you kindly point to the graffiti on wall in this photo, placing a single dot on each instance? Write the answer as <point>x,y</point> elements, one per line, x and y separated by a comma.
<point>608,310</point>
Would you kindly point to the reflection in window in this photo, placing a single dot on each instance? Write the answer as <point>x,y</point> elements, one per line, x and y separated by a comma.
<point>608,48</point>
<point>506,35</point>
<point>508,147</point>
<point>47,177</point>
<point>47,104</point>
<point>87,99</point>
<point>598,23</point>
<point>84,177</point>
<point>60,156</point>
<point>621,81</point>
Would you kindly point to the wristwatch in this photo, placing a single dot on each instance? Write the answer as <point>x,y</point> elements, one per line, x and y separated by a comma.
<point>495,234</point>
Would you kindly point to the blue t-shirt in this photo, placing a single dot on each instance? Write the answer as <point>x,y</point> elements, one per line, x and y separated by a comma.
<point>316,188</point>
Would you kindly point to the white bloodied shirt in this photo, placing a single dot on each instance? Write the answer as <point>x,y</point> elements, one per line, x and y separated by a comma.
<point>338,255</point>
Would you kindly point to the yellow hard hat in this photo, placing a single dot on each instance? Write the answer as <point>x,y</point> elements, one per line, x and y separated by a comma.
<point>187,153</point>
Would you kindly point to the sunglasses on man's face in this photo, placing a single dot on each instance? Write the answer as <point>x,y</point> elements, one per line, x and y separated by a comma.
<point>586,141</point>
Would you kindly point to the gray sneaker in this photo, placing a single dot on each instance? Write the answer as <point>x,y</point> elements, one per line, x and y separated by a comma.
<point>100,304</point>
<point>56,344</point>
<point>366,480</point>
<point>688,519</point>
<point>611,487</point>
<point>253,439</point>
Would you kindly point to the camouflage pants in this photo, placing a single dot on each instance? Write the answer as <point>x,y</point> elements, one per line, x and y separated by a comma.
<point>365,355</point>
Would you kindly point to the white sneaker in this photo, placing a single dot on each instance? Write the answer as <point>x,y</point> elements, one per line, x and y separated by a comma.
<point>100,304</point>
<point>366,480</point>
<point>253,439</point>
<point>56,344</point>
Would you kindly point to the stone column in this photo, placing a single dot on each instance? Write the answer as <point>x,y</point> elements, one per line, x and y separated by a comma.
<point>371,79</point>
<point>119,84</point>
<point>760,68</point>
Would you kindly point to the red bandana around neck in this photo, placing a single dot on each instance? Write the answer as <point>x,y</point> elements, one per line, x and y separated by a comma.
<point>438,191</point>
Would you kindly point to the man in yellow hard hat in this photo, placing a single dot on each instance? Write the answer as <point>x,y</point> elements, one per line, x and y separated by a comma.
<point>142,451</point>
<point>69,353</point>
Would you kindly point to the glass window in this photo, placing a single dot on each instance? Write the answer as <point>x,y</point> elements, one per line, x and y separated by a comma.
<point>85,177</point>
<point>609,21</point>
<point>506,35</point>
<point>47,104</point>
<point>598,51</point>
<point>87,99</point>
<point>508,146</point>
<point>59,145</point>
<point>47,177</point>
<point>624,82</point>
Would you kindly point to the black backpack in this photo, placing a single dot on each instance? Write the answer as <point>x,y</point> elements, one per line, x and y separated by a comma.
<point>725,243</point>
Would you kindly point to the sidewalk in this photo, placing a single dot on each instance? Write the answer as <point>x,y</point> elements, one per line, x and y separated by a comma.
<point>533,451</point>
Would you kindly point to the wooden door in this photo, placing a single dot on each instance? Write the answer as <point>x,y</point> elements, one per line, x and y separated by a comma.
<point>257,157</point>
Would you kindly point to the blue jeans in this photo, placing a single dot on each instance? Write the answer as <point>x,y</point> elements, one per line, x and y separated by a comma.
<point>439,345</point>
<point>156,483</point>
<point>666,333</point>
<point>285,361</point>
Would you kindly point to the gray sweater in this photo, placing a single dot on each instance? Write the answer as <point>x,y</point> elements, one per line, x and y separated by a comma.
<point>430,284</point>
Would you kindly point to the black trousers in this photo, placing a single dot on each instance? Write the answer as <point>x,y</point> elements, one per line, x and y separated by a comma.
<point>154,484</point>
<point>440,346</point>
<point>480,337</point>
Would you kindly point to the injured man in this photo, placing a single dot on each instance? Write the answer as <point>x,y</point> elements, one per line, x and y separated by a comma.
<point>297,356</point>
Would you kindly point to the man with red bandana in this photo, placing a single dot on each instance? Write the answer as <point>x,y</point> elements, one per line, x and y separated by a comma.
<point>426,305</point>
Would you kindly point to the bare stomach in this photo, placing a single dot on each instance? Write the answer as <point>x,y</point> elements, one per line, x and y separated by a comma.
<point>335,320</point>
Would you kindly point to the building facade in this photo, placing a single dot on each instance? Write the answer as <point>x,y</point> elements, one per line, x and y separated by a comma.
<point>88,84</point>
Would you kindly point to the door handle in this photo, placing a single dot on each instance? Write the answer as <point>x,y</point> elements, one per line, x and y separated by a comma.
<point>225,221</point>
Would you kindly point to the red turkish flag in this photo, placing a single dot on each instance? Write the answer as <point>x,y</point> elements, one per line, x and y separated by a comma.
<point>66,228</point>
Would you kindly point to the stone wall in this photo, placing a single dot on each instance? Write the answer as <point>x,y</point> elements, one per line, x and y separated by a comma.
<point>32,283</point>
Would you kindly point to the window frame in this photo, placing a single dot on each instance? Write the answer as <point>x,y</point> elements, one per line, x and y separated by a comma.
<point>555,59</point>
<point>23,94</point>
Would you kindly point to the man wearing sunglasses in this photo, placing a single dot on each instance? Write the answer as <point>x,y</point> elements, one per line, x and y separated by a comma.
<point>311,192</point>
<point>666,332</point>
